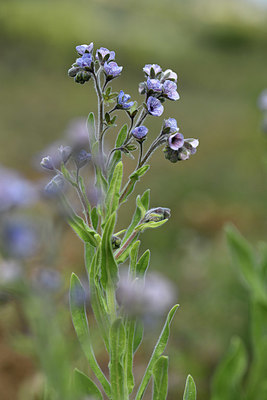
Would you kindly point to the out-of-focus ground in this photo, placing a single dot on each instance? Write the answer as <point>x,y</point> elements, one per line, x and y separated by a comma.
<point>219,50</point>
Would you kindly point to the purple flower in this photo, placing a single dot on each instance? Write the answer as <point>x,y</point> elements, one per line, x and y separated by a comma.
<point>65,153</point>
<point>140,132</point>
<point>20,237</point>
<point>123,100</point>
<point>85,48</point>
<point>170,89</point>
<point>171,125</point>
<point>81,158</point>
<point>169,74</point>
<point>154,84</point>
<point>154,106</point>
<point>104,54</point>
<point>176,141</point>
<point>47,163</point>
<point>191,144</point>
<point>112,69</point>
<point>85,61</point>
<point>15,190</point>
<point>262,101</point>
<point>55,186</point>
<point>150,68</point>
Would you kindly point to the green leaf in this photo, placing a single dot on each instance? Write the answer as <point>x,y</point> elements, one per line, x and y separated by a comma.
<point>83,231</point>
<point>130,329</point>
<point>160,375</point>
<point>91,128</point>
<point>150,224</point>
<point>134,177</point>
<point>243,256</point>
<point>117,351</point>
<point>97,298</point>
<point>139,172</point>
<point>113,194</point>
<point>80,323</point>
<point>116,156</point>
<point>158,350</point>
<point>84,386</point>
<point>138,334</point>
<point>94,218</point>
<point>133,257</point>
<point>143,264</point>
<point>142,205</point>
<point>227,381</point>
<point>190,392</point>
<point>109,267</point>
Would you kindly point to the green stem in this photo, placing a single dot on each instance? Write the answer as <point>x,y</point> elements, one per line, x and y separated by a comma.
<point>126,244</point>
<point>111,301</point>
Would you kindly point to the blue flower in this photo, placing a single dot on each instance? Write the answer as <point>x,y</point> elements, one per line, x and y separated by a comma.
<point>154,84</point>
<point>112,69</point>
<point>85,48</point>
<point>170,124</point>
<point>154,106</point>
<point>152,70</point>
<point>104,54</point>
<point>170,90</point>
<point>123,100</point>
<point>85,61</point>
<point>176,141</point>
<point>140,132</point>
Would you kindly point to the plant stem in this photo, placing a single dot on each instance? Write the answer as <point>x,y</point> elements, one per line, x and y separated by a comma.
<point>82,200</point>
<point>125,245</point>
<point>111,301</point>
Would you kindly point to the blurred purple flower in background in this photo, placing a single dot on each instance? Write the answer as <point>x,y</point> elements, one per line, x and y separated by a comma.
<point>15,191</point>
<point>19,237</point>
<point>154,106</point>
<point>141,297</point>
<point>262,101</point>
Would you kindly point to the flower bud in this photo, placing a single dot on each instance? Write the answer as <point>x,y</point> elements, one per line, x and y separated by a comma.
<point>140,132</point>
<point>81,158</point>
<point>116,242</point>
<point>47,163</point>
<point>65,153</point>
<point>157,214</point>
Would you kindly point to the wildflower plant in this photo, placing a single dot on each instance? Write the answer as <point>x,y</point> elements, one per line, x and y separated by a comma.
<point>105,249</point>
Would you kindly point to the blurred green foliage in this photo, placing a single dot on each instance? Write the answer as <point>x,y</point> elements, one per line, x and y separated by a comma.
<point>219,51</point>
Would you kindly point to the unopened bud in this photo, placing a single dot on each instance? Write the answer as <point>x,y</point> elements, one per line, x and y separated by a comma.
<point>157,214</point>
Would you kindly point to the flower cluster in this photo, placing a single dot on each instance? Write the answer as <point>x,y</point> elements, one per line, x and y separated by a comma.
<point>84,66</point>
<point>159,85</point>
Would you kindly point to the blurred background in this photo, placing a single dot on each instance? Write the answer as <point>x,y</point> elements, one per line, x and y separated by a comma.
<point>219,51</point>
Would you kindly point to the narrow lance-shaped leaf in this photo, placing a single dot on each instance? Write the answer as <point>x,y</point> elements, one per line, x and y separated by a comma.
<point>117,350</point>
<point>80,323</point>
<point>130,329</point>
<point>190,392</point>
<point>142,205</point>
<point>94,218</point>
<point>227,381</point>
<point>136,175</point>
<point>133,258</point>
<point>143,264</point>
<point>91,128</point>
<point>116,157</point>
<point>84,386</point>
<point>109,267</point>
<point>243,255</point>
<point>98,303</point>
<point>138,334</point>
<point>113,194</point>
<point>160,375</point>
<point>158,350</point>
